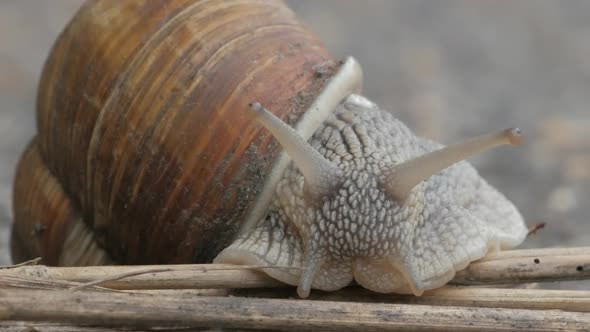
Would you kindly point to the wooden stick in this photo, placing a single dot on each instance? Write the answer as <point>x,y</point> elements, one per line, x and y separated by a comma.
<point>530,265</point>
<point>149,311</point>
<point>179,276</point>
<point>536,253</point>
<point>535,228</point>
<point>537,299</point>
<point>116,277</point>
<point>507,267</point>
<point>33,261</point>
<point>567,300</point>
<point>446,296</point>
<point>24,326</point>
<point>15,281</point>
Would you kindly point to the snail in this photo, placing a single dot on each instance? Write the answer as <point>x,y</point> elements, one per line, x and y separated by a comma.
<point>198,131</point>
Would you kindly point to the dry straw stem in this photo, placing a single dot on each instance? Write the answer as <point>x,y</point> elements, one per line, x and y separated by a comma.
<point>529,265</point>
<point>539,299</point>
<point>446,296</point>
<point>149,311</point>
<point>156,297</point>
<point>506,267</point>
<point>24,326</point>
<point>33,261</point>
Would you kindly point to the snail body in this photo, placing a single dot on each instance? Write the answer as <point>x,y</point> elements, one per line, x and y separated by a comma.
<point>148,153</point>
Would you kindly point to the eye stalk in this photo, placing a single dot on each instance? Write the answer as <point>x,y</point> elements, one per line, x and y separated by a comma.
<point>321,176</point>
<point>405,176</point>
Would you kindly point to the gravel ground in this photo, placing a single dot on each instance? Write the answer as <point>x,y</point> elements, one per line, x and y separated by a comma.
<point>450,69</point>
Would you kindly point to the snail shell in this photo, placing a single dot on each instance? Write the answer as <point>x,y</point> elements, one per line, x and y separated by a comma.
<point>141,125</point>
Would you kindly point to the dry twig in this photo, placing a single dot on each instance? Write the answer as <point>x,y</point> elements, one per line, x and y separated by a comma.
<point>535,228</point>
<point>506,267</point>
<point>176,292</point>
<point>445,296</point>
<point>538,299</point>
<point>148,311</point>
<point>33,261</point>
<point>117,277</point>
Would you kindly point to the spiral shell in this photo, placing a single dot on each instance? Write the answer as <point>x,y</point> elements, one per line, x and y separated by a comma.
<point>143,138</point>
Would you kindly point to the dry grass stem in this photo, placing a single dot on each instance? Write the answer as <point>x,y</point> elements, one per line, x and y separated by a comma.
<point>116,277</point>
<point>168,296</point>
<point>506,267</point>
<point>33,261</point>
<point>149,311</point>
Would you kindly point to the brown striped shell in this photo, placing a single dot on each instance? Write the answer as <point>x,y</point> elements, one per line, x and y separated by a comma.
<point>143,144</point>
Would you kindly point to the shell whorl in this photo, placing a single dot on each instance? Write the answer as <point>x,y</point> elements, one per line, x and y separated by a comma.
<point>141,118</point>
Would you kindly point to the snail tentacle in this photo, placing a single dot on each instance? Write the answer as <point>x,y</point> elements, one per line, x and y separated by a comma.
<point>321,176</point>
<point>311,266</point>
<point>404,177</point>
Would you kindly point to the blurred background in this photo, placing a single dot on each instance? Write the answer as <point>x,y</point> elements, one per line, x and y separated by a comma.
<point>449,69</point>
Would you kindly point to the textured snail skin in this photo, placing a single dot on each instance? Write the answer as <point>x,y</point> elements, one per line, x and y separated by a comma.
<point>360,231</point>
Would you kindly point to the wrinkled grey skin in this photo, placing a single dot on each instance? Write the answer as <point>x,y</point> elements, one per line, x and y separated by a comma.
<point>360,231</point>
